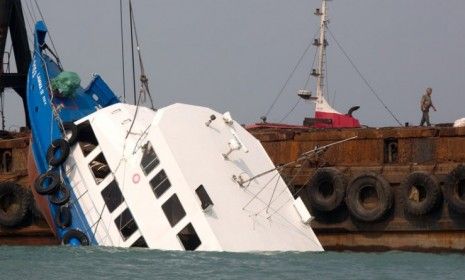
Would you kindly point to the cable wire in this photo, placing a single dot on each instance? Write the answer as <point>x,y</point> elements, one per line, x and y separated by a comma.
<point>132,55</point>
<point>363,78</point>
<point>122,49</point>
<point>143,77</point>
<point>49,36</point>
<point>292,110</point>
<point>287,80</point>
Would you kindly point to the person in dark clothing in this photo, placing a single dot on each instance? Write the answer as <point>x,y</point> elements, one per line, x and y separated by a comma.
<point>425,104</point>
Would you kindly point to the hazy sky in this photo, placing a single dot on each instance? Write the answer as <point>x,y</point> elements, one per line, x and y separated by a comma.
<point>234,55</point>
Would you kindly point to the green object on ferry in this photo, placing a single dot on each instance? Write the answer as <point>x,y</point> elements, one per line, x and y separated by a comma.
<point>66,84</point>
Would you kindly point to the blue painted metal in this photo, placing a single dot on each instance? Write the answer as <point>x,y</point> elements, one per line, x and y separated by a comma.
<point>45,125</point>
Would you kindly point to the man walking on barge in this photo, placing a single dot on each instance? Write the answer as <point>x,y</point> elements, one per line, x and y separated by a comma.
<point>425,104</point>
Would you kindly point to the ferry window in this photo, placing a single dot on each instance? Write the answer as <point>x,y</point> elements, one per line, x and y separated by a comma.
<point>126,224</point>
<point>149,158</point>
<point>189,238</point>
<point>112,196</point>
<point>86,138</point>
<point>173,210</point>
<point>99,168</point>
<point>140,242</point>
<point>160,183</point>
<point>390,150</point>
<point>205,199</point>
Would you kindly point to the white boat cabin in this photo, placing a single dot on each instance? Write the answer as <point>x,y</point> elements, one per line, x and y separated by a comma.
<point>171,180</point>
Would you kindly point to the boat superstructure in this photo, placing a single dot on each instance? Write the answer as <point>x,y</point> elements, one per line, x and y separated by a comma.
<point>326,115</point>
<point>169,183</point>
<point>179,178</point>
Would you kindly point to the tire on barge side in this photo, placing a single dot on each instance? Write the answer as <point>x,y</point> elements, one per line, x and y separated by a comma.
<point>369,197</point>
<point>327,189</point>
<point>15,202</point>
<point>420,193</point>
<point>454,189</point>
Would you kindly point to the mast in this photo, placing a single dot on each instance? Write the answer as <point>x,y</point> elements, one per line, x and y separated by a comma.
<point>325,115</point>
<point>321,44</point>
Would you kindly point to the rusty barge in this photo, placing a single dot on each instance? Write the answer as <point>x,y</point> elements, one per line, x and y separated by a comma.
<point>400,188</point>
<point>20,222</point>
<point>389,189</point>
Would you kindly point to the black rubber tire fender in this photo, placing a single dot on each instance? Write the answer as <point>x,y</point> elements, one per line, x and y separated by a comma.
<point>53,179</point>
<point>60,196</point>
<point>15,202</point>
<point>60,145</point>
<point>354,202</point>
<point>453,188</point>
<point>63,217</point>
<point>327,189</point>
<point>74,233</point>
<point>428,189</point>
<point>72,129</point>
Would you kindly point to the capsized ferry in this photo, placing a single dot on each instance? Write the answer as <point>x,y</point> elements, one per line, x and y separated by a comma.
<point>179,178</point>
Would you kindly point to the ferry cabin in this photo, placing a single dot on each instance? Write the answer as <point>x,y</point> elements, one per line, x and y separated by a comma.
<point>169,180</point>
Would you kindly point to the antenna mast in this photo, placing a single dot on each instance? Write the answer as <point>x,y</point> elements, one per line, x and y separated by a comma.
<point>321,44</point>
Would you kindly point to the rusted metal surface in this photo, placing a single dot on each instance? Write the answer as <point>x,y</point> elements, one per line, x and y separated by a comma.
<point>33,235</point>
<point>393,154</point>
<point>14,168</point>
<point>422,241</point>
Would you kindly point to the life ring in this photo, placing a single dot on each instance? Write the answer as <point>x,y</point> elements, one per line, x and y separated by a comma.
<point>60,196</point>
<point>73,235</point>
<point>420,193</point>
<point>454,189</point>
<point>72,130</point>
<point>15,202</point>
<point>327,189</point>
<point>63,217</point>
<point>47,183</point>
<point>369,197</point>
<point>61,147</point>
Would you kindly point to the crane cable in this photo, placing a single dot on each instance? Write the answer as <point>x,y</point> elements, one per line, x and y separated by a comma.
<point>54,53</point>
<point>143,78</point>
<point>122,49</point>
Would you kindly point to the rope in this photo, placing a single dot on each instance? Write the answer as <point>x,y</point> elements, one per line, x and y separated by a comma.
<point>272,194</point>
<point>363,78</point>
<point>34,16</point>
<point>292,110</point>
<point>288,80</point>
<point>122,49</point>
<point>132,56</point>
<point>298,230</point>
<point>49,35</point>
<point>143,77</point>
<point>27,20</point>
<point>256,195</point>
<point>310,72</point>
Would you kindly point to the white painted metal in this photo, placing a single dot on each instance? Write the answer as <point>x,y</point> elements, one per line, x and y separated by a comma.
<point>321,104</point>
<point>258,217</point>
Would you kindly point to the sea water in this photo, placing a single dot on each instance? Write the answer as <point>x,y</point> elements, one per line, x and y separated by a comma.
<point>62,262</point>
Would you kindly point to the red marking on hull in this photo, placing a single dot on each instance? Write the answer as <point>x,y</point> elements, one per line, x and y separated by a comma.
<point>337,120</point>
<point>41,200</point>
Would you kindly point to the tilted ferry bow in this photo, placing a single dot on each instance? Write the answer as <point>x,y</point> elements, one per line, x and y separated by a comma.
<point>180,178</point>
